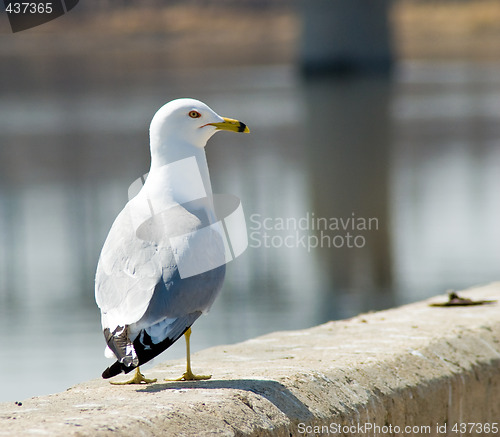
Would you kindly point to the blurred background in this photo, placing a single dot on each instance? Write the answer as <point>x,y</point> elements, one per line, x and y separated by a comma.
<point>388,111</point>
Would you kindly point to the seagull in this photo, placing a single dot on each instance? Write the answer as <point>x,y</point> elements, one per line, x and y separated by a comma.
<point>162,264</point>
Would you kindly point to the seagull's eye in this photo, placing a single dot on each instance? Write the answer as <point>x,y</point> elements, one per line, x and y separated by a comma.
<point>194,114</point>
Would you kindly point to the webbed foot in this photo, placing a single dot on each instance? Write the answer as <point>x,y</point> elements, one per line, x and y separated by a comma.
<point>190,376</point>
<point>137,379</point>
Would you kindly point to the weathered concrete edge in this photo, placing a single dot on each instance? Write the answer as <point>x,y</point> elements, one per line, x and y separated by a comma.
<point>410,366</point>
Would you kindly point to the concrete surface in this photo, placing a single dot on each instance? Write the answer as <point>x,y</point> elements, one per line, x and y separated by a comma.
<point>414,366</point>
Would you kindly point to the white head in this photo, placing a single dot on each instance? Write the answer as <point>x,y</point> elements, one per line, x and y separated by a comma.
<point>187,123</point>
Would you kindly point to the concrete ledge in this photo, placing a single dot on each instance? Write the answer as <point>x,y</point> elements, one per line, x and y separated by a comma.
<point>410,366</point>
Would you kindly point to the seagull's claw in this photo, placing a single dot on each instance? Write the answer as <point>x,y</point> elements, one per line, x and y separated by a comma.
<point>137,379</point>
<point>190,376</point>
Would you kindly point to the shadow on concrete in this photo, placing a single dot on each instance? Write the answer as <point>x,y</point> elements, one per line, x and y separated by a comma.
<point>273,391</point>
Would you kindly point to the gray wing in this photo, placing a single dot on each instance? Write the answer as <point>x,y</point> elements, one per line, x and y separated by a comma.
<point>127,273</point>
<point>138,286</point>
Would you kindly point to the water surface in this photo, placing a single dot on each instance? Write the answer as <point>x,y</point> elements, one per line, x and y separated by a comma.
<point>419,153</point>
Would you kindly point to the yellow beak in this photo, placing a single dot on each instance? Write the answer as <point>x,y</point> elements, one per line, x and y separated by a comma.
<point>231,125</point>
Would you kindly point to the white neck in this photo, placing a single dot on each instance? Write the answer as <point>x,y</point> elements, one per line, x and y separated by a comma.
<point>175,184</point>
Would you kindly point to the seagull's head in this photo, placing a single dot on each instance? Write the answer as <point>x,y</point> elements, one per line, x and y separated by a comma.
<point>189,121</point>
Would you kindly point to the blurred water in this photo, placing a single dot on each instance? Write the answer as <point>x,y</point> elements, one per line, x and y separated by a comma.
<point>419,153</point>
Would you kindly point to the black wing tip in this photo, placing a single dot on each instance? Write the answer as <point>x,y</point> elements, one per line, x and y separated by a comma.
<point>146,350</point>
<point>116,369</point>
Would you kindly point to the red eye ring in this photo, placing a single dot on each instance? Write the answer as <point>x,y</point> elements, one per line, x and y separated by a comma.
<point>194,114</point>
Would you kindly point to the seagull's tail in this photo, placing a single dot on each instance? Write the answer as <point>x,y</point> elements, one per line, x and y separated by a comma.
<point>144,349</point>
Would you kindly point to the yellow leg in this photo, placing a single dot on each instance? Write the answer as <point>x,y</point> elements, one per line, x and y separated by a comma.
<point>189,375</point>
<point>137,379</point>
